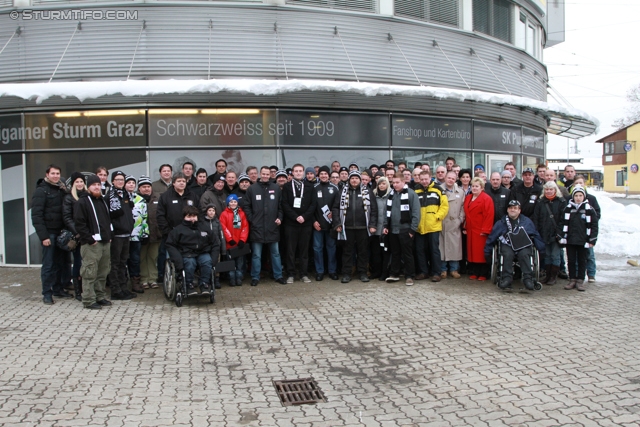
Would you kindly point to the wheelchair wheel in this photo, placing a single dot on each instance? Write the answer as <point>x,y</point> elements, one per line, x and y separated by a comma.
<point>495,265</point>
<point>535,265</point>
<point>212,296</point>
<point>537,286</point>
<point>179,299</point>
<point>169,284</point>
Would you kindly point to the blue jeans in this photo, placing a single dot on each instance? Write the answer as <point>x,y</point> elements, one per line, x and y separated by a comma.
<point>591,263</point>
<point>133,263</point>
<point>52,260</point>
<point>320,239</point>
<point>553,254</point>
<point>428,251</point>
<point>204,262</point>
<point>256,265</point>
<point>237,275</point>
<point>452,265</point>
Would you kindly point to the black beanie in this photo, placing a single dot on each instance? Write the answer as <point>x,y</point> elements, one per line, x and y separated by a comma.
<point>75,176</point>
<point>92,179</point>
<point>324,169</point>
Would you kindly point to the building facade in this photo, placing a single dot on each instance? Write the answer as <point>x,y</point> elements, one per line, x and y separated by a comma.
<point>620,159</point>
<point>132,85</point>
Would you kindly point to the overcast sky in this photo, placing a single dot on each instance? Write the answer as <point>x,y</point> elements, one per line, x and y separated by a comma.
<point>596,65</point>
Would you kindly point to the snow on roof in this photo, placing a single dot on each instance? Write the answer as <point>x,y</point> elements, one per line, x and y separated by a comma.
<point>88,90</point>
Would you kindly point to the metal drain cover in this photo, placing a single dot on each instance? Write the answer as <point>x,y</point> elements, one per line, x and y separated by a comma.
<point>304,391</point>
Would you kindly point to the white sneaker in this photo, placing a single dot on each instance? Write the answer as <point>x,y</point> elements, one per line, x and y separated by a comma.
<point>289,279</point>
<point>392,279</point>
<point>409,282</point>
<point>592,279</point>
<point>305,279</point>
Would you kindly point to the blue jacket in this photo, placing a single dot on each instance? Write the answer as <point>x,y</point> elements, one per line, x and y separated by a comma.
<point>500,228</point>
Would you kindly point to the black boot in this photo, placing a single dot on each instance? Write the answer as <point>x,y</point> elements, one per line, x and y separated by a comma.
<point>77,288</point>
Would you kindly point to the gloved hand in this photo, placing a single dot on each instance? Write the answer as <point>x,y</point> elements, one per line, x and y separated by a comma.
<point>488,258</point>
<point>232,242</point>
<point>240,244</point>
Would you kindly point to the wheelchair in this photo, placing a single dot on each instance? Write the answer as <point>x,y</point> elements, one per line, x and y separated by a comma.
<point>176,290</point>
<point>497,261</point>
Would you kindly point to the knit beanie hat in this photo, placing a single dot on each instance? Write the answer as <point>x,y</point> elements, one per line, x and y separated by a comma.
<point>75,176</point>
<point>324,169</point>
<point>310,170</point>
<point>93,179</point>
<point>129,178</point>
<point>116,173</point>
<point>355,173</point>
<point>231,197</point>
<point>478,166</point>
<point>578,189</point>
<point>144,180</point>
<point>282,172</point>
<point>243,177</point>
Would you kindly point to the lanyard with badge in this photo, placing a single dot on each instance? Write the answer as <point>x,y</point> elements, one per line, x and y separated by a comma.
<point>297,201</point>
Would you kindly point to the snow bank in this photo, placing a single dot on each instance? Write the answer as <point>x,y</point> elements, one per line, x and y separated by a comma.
<point>88,90</point>
<point>619,228</point>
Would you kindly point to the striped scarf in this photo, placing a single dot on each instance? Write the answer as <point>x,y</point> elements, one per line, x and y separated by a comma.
<point>344,205</point>
<point>236,219</point>
<point>573,208</point>
<point>405,209</point>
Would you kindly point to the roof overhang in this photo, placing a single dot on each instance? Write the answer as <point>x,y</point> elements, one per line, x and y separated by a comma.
<point>568,122</point>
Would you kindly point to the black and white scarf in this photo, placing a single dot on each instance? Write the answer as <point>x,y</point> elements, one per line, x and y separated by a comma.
<point>344,205</point>
<point>236,219</point>
<point>405,209</point>
<point>573,208</point>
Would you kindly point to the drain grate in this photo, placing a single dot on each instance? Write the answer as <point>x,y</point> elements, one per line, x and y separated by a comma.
<point>304,391</point>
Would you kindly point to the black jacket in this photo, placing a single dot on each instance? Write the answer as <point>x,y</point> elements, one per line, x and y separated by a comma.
<point>46,208</point>
<point>548,226</point>
<point>500,199</point>
<point>155,236</point>
<point>214,225</point>
<point>355,217</point>
<point>307,207</point>
<point>527,196</point>
<point>198,190</point>
<point>325,194</point>
<point>188,240</point>
<point>575,222</point>
<point>262,208</point>
<point>170,208</point>
<point>68,205</point>
<point>122,224</point>
<point>85,217</point>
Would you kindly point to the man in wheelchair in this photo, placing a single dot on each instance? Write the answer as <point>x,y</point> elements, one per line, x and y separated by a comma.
<point>517,235</point>
<point>193,245</point>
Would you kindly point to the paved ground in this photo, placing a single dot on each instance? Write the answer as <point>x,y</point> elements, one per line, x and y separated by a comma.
<point>449,354</point>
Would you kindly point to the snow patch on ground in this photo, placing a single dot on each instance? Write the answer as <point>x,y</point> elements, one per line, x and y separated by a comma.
<point>619,228</point>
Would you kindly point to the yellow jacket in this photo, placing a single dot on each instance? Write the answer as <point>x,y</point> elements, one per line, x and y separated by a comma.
<point>434,207</point>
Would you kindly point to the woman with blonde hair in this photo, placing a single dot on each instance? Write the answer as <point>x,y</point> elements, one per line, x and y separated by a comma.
<point>77,189</point>
<point>478,210</point>
<point>378,244</point>
<point>546,218</point>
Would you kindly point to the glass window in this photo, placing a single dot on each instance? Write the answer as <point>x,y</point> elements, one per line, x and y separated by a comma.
<point>440,11</point>
<point>433,158</point>
<point>493,17</point>
<point>237,159</point>
<point>531,40</point>
<point>619,178</point>
<point>363,158</point>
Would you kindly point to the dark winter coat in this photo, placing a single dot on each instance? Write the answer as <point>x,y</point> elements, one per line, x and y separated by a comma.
<point>46,208</point>
<point>500,198</point>
<point>262,207</point>
<point>355,215</point>
<point>548,225</point>
<point>579,224</point>
<point>307,207</point>
<point>325,194</point>
<point>122,224</point>
<point>188,240</point>
<point>199,190</point>
<point>214,197</point>
<point>155,236</point>
<point>527,196</point>
<point>501,228</point>
<point>170,208</point>
<point>67,211</point>
<point>85,221</point>
<point>214,225</point>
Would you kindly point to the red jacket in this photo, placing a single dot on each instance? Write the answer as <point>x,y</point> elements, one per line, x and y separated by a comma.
<point>479,219</point>
<point>230,233</point>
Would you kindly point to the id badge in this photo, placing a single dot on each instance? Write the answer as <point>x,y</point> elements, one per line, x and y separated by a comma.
<point>97,237</point>
<point>297,202</point>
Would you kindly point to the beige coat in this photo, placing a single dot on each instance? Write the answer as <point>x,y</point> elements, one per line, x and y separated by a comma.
<point>451,235</point>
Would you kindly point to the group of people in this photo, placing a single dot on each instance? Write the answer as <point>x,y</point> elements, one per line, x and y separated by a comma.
<point>383,222</point>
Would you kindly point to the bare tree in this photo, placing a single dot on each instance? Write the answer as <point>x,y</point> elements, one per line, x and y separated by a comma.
<point>633,110</point>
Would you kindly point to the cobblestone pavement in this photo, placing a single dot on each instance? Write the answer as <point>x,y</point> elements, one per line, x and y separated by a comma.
<point>447,354</point>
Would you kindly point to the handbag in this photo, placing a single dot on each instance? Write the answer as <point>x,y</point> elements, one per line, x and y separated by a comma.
<point>519,240</point>
<point>66,241</point>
